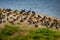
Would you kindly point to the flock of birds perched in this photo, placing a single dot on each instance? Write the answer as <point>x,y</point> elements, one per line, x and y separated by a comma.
<point>30,17</point>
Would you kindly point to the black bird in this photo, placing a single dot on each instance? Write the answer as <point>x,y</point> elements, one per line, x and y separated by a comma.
<point>0,17</point>
<point>30,21</point>
<point>15,11</point>
<point>21,20</point>
<point>52,24</point>
<point>36,25</point>
<point>21,12</point>
<point>39,16</point>
<point>8,10</point>
<point>11,22</point>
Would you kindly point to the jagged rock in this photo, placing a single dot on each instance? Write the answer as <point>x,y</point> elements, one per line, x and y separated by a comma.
<point>29,17</point>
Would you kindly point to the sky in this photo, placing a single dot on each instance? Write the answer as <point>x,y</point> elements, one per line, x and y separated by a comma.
<point>47,7</point>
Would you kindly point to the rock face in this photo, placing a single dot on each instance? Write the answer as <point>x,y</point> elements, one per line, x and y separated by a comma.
<point>29,17</point>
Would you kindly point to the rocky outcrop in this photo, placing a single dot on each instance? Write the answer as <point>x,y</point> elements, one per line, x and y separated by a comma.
<point>29,17</point>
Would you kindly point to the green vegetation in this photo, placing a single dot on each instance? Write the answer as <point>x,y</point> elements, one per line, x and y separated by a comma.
<point>45,34</point>
<point>10,32</point>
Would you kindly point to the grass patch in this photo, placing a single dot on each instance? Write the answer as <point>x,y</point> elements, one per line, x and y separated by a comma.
<point>37,34</point>
<point>44,33</point>
<point>8,31</point>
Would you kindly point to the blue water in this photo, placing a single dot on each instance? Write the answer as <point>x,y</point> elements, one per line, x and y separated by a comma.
<point>48,7</point>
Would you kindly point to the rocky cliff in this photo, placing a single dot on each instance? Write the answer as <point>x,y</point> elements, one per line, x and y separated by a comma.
<point>16,17</point>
